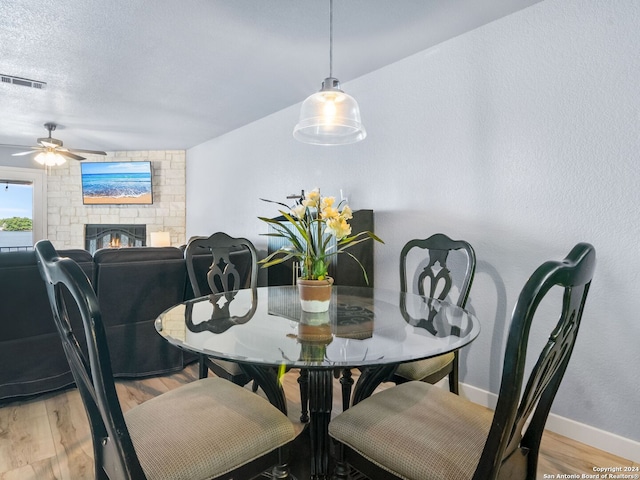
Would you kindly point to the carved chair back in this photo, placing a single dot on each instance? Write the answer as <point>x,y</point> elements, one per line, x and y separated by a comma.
<point>114,455</point>
<point>223,273</point>
<point>438,271</point>
<point>510,430</point>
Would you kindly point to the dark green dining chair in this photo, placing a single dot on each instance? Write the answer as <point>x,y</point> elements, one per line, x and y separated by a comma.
<point>446,268</point>
<point>418,431</point>
<point>216,264</point>
<point>434,267</point>
<point>207,429</point>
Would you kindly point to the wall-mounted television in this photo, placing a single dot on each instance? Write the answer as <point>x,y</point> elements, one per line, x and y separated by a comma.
<point>116,183</point>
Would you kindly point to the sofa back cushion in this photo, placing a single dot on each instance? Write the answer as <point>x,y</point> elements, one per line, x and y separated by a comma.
<point>23,297</point>
<point>138,283</point>
<point>24,305</point>
<point>134,285</point>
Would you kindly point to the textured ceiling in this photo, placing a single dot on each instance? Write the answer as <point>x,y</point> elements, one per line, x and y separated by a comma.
<point>167,74</point>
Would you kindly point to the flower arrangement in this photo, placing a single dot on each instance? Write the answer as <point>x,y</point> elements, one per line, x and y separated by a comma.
<point>310,225</point>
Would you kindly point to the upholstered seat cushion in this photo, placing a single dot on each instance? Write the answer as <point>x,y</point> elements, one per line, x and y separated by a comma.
<point>416,431</point>
<point>175,434</point>
<point>423,368</point>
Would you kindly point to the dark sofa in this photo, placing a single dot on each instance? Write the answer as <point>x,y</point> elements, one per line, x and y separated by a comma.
<point>31,355</point>
<point>133,285</point>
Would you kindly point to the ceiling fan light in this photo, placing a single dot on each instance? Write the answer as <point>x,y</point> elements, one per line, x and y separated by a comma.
<point>329,117</point>
<point>49,159</point>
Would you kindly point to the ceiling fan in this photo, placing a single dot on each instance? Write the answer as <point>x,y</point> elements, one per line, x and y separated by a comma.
<point>51,151</point>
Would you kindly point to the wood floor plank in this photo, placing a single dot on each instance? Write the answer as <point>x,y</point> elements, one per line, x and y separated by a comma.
<point>186,375</point>
<point>134,392</point>
<point>71,435</point>
<point>5,440</point>
<point>26,435</point>
<point>560,455</point>
<point>46,469</point>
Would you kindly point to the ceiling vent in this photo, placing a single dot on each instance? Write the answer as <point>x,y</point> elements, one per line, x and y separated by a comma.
<point>25,82</point>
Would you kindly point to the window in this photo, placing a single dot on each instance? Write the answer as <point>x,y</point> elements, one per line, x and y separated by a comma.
<point>23,193</point>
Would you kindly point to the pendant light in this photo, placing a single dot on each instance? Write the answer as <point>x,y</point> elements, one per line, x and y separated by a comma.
<point>330,116</point>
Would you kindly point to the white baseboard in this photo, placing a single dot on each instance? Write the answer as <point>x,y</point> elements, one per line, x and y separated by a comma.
<point>606,441</point>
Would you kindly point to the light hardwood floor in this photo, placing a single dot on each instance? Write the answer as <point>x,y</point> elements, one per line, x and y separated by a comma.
<point>48,438</point>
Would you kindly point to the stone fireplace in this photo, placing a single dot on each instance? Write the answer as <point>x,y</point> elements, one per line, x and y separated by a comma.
<point>98,236</point>
<point>67,216</point>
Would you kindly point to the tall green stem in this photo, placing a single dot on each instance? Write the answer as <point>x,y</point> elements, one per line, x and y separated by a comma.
<point>319,237</point>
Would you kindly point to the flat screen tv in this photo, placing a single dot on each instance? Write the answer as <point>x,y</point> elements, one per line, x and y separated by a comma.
<point>116,183</point>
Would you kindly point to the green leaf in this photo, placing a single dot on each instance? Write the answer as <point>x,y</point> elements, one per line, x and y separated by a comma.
<point>342,247</point>
<point>368,234</point>
<point>285,232</point>
<point>295,223</point>
<point>320,268</point>
<point>277,203</point>
<point>273,258</point>
<point>366,278</point>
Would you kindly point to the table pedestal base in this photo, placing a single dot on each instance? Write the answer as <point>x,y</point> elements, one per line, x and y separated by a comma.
<point>320,403</point>
<point>319,387</point>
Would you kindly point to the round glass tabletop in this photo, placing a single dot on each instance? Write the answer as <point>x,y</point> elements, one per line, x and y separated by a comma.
<point>363,327</point>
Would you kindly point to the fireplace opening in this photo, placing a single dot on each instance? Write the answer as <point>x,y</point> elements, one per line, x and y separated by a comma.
<point>98,236</point>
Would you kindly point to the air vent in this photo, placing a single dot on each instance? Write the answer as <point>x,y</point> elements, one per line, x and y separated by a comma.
<point>24,82</point>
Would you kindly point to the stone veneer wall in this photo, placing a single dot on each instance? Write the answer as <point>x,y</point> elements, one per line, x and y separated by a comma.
<point>67,215</point>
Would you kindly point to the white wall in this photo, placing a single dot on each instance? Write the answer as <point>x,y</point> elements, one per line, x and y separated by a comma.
<point>521,137</point>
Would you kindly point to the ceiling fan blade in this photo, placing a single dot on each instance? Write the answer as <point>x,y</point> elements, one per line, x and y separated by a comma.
<point>52,145</point>
<point>19,154</point>
<point>93,152</point>
<point>70,155</point>
<point>8,145</point>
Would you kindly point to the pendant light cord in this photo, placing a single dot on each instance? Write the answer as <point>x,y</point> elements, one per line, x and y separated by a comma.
<point>331,38</point>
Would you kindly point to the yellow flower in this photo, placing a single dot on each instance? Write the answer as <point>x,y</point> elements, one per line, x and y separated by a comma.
<point>338,227</point>
<point>329,212</point>
<point>327,202</point>
<point>312,198</point>
<point>346,213</point>
<point>298,211</point>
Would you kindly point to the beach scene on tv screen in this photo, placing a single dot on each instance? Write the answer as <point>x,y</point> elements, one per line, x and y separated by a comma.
<point>109,183</point>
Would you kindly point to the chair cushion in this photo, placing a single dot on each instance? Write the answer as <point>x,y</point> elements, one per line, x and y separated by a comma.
<point>205,429</point>
<point>417,431</point>
<point>423,368</point>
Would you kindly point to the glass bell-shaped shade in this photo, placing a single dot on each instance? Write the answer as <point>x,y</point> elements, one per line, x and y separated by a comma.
<point>329,117</point>
<point>49,158</point>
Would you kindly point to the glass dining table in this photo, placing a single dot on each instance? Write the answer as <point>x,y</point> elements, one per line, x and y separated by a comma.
<point>265,331</point>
